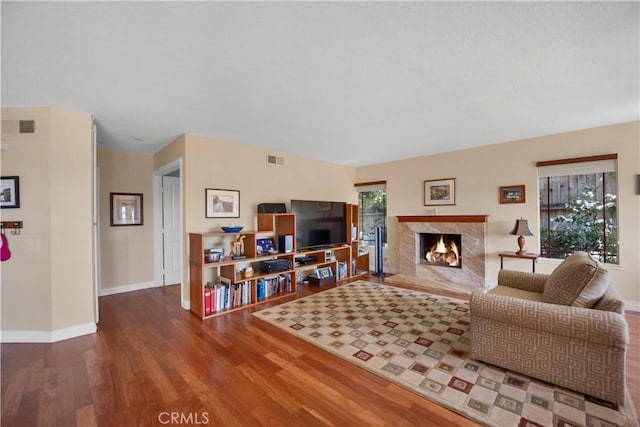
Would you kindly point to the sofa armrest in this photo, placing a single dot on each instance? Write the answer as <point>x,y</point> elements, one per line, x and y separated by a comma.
<point>593,326</point>
<point>533,282</point>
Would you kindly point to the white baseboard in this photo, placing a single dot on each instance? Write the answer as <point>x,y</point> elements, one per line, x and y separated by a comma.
<point>47,336</point>
<point>73,331</point>
<point>185,303</point>
<point>631,306</point>
<point>127,288</point>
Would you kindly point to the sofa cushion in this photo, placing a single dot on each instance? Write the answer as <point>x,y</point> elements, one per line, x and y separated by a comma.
<point>507,291</point>
<point>579,281</point>
<point>610,301</point>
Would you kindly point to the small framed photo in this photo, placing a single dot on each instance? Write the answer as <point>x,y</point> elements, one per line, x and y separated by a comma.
<point>512,194</point>
<point>126,209</point>
<point>324,272</point>
<point>265,246</point>
<point>440,192</point>
<point>222,203</point>
<point>9,192</point>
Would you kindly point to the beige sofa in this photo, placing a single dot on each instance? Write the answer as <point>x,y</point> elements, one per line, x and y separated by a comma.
<point>566,328</point>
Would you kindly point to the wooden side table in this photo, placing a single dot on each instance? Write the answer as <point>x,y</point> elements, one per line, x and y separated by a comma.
<point>533,257</point>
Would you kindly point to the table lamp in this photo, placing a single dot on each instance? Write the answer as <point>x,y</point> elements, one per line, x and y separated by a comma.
<point>521,229</point>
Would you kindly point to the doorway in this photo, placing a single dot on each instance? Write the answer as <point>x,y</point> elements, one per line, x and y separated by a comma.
<point>168,230</point>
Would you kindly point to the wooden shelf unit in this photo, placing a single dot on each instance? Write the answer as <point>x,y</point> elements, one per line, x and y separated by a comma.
<point>357,263</point>
<point>270,225</point>
<point>325,258</point>
<point>361,265</point>
<point>201,272</point>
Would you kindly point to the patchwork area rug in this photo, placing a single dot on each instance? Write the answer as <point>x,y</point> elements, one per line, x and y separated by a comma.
<point>421,342</point>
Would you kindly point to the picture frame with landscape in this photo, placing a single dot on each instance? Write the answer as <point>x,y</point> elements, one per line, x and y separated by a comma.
<point>440,192</point>
<point>221,203</point>
<point>512,194</point>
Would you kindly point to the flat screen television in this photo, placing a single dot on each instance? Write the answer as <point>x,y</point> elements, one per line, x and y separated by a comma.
<point>319,224</point>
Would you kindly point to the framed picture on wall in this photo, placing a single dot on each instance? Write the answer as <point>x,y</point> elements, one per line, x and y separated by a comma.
<point>126,209</point>
<point>512,194</point>
<point>9,192</point>
<point>222,203</point>
<point>440,192</point>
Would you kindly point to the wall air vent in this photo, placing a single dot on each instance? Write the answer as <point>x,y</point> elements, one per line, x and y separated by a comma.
<point>27,126</point>
<point>275,160</point>
<point>17,127</point>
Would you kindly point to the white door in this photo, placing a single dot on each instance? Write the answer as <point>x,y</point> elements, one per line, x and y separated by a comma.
<point>171,230</point>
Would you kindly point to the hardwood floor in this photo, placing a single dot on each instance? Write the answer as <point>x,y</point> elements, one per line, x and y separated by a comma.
<point>173,288</point>
<point>153,363</point>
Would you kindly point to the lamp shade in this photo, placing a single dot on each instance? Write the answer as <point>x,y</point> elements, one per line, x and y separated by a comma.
<point>521,228</point>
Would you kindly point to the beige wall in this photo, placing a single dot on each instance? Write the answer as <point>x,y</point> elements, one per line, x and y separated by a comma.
<point>217,164</point>
<point>211,163</point>
<point>47,285</point>
<point>126,252</point>
<point>25,290</point>
<point>71,201</point>
<point>54,166</point>
<point>170,153</point>
<point>207,163</point>
<point>480,171</point>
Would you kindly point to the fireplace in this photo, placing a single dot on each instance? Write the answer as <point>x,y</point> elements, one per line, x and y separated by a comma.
<point>412,249</point>
<point>441,250</point>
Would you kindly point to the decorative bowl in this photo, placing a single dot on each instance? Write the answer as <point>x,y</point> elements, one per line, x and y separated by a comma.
<point>232,229</point>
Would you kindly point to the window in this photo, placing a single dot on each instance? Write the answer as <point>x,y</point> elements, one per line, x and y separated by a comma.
<point>372,203</point>
<point>578,207</point>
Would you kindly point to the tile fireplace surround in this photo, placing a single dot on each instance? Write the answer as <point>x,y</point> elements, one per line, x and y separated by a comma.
<point>473,229</point>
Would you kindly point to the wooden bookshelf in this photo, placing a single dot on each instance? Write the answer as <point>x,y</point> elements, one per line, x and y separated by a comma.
<point>229,272</point>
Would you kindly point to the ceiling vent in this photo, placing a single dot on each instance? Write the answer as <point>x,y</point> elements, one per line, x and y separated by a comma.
<point>275,160</point>
<point>18,127</point>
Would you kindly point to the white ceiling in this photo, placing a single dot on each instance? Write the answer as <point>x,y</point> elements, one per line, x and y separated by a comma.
<point>354,83</point>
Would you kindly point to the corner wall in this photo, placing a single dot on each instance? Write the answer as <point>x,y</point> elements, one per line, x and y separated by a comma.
<point>46,287</point>
<point>126,252</point>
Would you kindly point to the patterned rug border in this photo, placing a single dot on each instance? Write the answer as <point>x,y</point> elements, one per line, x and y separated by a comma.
<point>629,412</point>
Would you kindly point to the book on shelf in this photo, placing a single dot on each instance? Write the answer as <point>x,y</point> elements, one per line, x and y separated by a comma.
<point>342,270</point>
<point>268,286</point>
<point>230,295</point>
<point>208,308</point>
<point>220,297</point>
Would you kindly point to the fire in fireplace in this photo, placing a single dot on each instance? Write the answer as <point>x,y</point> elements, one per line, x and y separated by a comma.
<point>441,249</point>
